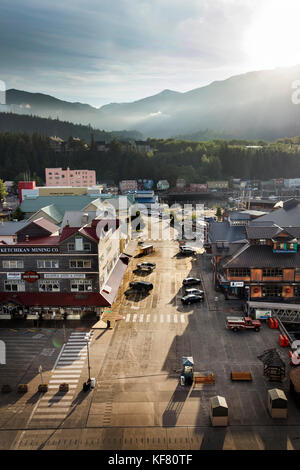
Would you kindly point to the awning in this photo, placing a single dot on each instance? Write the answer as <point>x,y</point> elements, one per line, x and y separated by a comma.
<point>130,248</point>
<point>110,290</point>
<point>54,299</point>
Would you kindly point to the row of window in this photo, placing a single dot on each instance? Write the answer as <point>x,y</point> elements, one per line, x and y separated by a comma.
<point>42,264</point>
<point>49,286</point>
<point>266,272</point>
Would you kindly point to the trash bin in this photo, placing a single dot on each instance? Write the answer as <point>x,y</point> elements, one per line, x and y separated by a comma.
<point>277,403</point>
<point>218,411</point>
<point>93,382</point>
<point>85,387</point>
<point>108,323</point>
<point>182,381</point>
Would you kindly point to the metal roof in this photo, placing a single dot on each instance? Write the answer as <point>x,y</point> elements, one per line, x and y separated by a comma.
<point>262,256</point>
<point>10,228</point>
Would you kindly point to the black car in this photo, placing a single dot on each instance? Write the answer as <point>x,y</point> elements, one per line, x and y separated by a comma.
<point>191,281</point>
<point>194,291</point>
<point>191,299</point>
<point>146,265</point>
<point>141,286</point>
<point>187,250</point>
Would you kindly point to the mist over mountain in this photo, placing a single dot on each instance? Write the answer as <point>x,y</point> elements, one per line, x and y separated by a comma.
<point>255,105</point>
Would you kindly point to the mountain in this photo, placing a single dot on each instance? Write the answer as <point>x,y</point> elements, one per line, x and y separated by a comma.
<point>255,105</point>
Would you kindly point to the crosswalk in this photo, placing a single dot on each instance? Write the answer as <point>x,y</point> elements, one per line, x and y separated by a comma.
<point>67,369</point>
<point>156,318</point>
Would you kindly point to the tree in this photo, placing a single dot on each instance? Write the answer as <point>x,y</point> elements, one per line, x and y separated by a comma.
<point>3,191</point>
<point>219,213</point>
<point>18,214</point>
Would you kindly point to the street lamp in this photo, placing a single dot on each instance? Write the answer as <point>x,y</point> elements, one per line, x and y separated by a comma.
<point>87,338</point>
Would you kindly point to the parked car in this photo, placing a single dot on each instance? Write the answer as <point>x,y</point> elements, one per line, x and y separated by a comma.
<point>194,291</point>
<point>141,286</point>
<point>146,265</point>
<point>191,281</point>
<point>187,250</point>
<point>192,299</point>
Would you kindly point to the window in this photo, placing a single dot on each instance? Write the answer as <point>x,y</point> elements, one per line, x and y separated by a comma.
<point>79,245</point>
<point>81,286</point>
<point>13,264</point>
<point>239,272</point>
<point>80,263</point>
<point>297,291</point>
<point>272,272</point>
<point>14,286</point>
<point>47,263</point>
<point>271,291</point>
<point>49,286</point>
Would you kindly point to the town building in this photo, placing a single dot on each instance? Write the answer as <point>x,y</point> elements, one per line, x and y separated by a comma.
<point>57,144</point>
<point>259,261</point>
<point>128,185</point>
<point>66,273</point>
<point>60,177</point>
<point>142,146</point>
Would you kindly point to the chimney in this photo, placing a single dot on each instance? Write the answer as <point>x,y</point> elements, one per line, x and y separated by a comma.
<point>84,219</point>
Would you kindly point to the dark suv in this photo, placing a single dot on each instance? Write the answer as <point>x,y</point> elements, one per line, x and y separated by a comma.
<point>141,286</point>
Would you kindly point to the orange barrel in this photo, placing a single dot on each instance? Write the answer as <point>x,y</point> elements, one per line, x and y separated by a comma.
<point>271,322</point>
<point>281,340</point>
<point>286,341</point>
<point>275,321</point>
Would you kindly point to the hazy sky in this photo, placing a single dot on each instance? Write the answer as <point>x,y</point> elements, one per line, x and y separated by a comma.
<point>102,51</point>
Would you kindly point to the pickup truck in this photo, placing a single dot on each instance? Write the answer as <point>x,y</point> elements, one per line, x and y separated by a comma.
<point>242,323</point>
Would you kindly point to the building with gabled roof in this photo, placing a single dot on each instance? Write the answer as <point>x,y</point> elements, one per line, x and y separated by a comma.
<point>72,271</point>
<point>265,265</point>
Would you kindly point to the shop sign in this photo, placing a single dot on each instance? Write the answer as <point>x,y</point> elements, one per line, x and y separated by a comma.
<point>13,276</point>
<point>30,276</point>
<point>237,284</point>
<point>64,276</point>
<point>29,249</point>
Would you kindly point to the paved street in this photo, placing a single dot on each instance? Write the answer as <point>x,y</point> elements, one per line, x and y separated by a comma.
<point>138,402</point>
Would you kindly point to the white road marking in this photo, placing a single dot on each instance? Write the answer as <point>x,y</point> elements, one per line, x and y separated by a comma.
<point>71,381</point>
<point>175,318</point>
<point>161,318</point>
<point>182,318</point>
<point>155,318</point>
<point>127,317</point>
<point>134,317</point>
<point>169,318</point>
<point>148,318</point>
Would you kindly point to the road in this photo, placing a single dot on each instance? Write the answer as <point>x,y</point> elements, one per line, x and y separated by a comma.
<point>138,402</point>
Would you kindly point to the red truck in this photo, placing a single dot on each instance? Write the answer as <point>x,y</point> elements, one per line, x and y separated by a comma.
<point>242,323</point>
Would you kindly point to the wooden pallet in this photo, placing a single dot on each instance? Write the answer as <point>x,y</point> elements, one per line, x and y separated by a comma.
<point>202,379</point>
<point>241,376</point>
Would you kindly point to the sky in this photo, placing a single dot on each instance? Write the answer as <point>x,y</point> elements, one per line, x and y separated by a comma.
<point>104,51</point>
